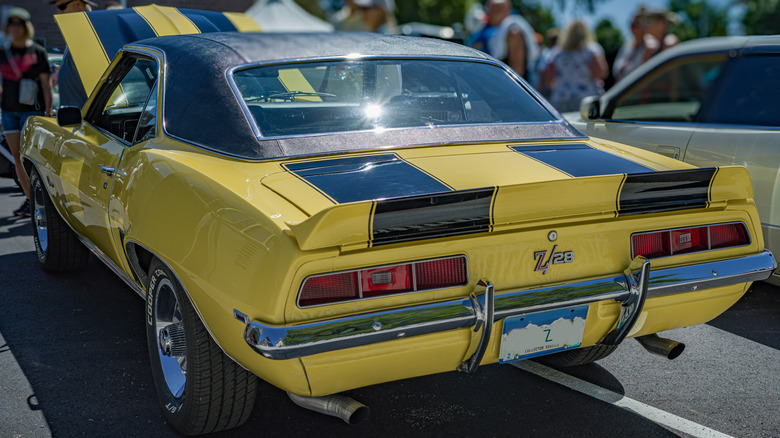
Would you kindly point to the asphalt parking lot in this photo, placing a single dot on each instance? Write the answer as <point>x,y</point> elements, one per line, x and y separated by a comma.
<point>73,362</point>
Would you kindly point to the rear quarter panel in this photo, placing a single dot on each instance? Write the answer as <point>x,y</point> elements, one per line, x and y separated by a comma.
<point>213,223</point>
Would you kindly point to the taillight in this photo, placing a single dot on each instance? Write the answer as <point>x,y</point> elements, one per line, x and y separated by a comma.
<point>722,236</point>
<point>435,274</point>
<point>688,240</point>
<point>385,280</point>
<point>330,288</point>
<point>381,281</point>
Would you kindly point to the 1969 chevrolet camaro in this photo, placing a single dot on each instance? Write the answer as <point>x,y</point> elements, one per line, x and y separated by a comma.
<point>334,211</point>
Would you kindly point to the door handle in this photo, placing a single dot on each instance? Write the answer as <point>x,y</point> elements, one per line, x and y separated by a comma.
<point>108,170</point>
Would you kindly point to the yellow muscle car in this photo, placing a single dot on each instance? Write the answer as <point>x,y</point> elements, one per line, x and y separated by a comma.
<point>331,211</point>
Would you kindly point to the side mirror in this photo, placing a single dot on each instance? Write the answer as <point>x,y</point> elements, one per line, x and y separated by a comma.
<point>68,116</point>
<point>590,109</point>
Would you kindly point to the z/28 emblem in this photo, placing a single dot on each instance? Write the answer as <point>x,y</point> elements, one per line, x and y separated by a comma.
<point>543,262</point>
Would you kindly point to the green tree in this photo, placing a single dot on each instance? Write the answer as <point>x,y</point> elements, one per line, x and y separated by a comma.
<point>762,17</point>
<point>538,16</point>
<point>609,36</point>
<point>439,12</point>
<point>698,18</point>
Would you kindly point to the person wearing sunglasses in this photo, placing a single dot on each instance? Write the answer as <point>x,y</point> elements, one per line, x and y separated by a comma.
<point>71,89</point>
<point>25,70</point>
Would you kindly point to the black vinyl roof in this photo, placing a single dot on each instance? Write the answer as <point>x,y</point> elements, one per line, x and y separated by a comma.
<point>257,47</point>
<point>201,108</point>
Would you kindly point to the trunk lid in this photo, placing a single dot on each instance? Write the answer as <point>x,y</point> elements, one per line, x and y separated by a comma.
<point>361,200</point>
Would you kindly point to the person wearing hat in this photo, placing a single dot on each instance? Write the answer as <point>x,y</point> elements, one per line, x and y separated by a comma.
<point>71,89</point>
<point>24,67</point>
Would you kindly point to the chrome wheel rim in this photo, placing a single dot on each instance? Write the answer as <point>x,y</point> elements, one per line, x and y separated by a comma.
<point>39,217</point>
<point>170,350</point>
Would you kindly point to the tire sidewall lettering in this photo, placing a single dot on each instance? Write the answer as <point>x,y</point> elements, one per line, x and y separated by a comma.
<point>150,293</point>
<point>171,405</point>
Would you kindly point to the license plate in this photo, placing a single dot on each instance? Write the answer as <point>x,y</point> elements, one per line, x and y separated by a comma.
<point>537,334</point>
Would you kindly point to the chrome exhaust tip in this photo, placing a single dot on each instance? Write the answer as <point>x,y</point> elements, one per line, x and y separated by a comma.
<point>336,405</point>
<point>661,346</point>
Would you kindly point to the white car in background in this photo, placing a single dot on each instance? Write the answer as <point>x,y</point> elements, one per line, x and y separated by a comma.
<point>708,102</point>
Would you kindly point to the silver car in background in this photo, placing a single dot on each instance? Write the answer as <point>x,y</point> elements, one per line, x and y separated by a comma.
<point>708,102</point>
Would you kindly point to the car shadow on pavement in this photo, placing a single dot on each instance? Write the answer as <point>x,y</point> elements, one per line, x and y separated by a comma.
<point>498,400</point>
<point>756,316</point>
<point>79,339</point>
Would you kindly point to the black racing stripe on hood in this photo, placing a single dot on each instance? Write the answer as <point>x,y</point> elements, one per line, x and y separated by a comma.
<point>366,178</point>
<point>580,160</point>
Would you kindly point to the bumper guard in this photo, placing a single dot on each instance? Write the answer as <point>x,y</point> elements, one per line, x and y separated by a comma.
<point>631,289</point>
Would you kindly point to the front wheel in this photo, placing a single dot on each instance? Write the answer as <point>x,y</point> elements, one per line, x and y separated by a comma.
<point>200,389</point>
<point>56,245</point>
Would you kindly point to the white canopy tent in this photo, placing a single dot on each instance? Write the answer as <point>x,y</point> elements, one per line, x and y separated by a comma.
<point>286,16</point>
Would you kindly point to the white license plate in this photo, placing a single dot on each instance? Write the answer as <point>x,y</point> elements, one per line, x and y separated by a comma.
<point>537,334</point>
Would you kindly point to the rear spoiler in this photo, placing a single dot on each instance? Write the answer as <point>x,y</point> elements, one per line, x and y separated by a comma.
<point>484,210</point>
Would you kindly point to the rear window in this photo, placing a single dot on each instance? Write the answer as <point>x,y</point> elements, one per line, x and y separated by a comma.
<point>343,96</point>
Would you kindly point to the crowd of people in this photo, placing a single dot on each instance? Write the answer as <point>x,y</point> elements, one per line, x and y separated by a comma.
<point>571,65</point>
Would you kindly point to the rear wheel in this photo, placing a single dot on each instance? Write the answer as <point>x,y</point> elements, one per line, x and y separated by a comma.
<point>200,389</point>
<point>56,245</point>
<point>580,356</point>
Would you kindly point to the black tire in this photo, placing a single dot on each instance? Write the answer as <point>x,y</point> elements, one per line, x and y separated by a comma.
<point>57,247</point>
<point>216,393</point>
<point>580,356</point>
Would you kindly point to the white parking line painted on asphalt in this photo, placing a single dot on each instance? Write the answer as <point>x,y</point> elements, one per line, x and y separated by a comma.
<point>654,414</point>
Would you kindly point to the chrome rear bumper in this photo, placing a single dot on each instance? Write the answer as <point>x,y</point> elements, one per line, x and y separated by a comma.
<point>287,342</point>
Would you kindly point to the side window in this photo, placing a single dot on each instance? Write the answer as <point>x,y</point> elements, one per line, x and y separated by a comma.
<point>121,101</point>
<point>147,124</point>
<point>672,93</point>
<point>752,96</point>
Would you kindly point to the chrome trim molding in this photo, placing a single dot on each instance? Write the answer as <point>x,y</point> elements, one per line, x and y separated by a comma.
<point>710,275</point>
<point>110,263</point>
<point>287,342</point>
